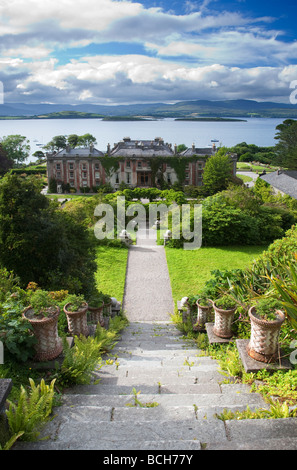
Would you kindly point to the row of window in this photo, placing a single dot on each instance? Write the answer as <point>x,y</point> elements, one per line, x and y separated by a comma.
<point>128,165</point>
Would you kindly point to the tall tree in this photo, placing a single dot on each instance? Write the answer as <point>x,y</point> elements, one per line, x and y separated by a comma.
<point>286,148</point>
<point>5,163</point>
<point>41,243</point>
<point>16,147</point>
<point>73,140</point>
<point>217,173</point>
<point>86,140</point>
<point>57,143</point>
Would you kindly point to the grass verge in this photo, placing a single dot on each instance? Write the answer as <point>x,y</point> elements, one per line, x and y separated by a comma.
<point>111,273</point>
<point>190,269</point>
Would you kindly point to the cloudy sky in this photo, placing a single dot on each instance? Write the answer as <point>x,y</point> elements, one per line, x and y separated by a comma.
<point>138,51</point>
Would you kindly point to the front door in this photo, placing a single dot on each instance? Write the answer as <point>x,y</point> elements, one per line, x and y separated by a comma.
<point>144,179</point>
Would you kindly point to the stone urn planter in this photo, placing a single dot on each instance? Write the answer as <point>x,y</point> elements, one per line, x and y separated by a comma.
<point>263,343</point>
<point>77,319</point>
<point>45,328</point>
<point>204,313</point>
<point>224,316</point>
<point>107,313</point>
<point>95,314</point>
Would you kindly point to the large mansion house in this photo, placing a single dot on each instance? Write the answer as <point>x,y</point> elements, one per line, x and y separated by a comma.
<point>84,167</point>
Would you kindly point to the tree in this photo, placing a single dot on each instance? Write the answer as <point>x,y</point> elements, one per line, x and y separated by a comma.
<point>5,163</point>
<point>286,148</point>
<point>39,155</point>
<point>86,140</point>
<point>217,173</point>
<point>16,147</point>
<point>57,143</point>
<point>73,140</point>
<point>41,243</point>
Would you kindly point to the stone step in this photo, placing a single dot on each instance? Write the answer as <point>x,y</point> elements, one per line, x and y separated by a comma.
<point>130,445</point>
<point>167,400</point>
<point>94,432</point>
<point>260,434</point>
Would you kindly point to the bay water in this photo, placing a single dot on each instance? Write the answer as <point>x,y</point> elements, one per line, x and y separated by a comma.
<point>258,131</point>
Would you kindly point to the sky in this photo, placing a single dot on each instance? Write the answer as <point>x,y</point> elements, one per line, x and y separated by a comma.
<point>147,51</point>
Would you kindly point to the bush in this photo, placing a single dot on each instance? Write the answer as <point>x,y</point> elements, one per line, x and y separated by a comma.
<point>41,243</point>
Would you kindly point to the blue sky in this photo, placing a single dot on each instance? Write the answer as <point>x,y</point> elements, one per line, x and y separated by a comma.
<point>120,51</point>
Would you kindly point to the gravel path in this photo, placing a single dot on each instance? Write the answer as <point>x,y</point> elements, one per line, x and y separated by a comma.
<point>148,295</point>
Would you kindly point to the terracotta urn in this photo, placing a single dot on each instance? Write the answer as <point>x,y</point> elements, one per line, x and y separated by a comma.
<point>263,343</point>
<point>45,328</point>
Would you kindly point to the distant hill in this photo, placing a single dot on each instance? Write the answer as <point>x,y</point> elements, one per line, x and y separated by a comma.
<point>182,109</point>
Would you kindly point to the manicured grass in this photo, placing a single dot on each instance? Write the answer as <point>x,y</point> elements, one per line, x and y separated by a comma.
<point>245,179</point>
<point>190,269</point>
<point>111,272</point>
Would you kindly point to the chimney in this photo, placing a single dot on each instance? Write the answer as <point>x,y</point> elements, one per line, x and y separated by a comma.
<point>175,149</point>
<point>193,147</point>
<point>91,148</point>
<point>108,149</point>
<point>214,147</point>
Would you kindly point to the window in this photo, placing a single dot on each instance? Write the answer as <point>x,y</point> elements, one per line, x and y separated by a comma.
<point>84,166</point>
<point>128,178</point>
<point>71,174</point>
<point>97,175</point>
<point>70,166</point>
<point>168,178</point>
<point>58,175</point>
<point>58,166</point>
<point>128,164</point>
<point>84,175</point>
<point>96,166</point>
<point>117,178</point>
<point>139,164</point>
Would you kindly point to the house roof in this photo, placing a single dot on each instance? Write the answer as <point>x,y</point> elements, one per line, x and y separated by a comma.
<point>141,148</point>
<point>81,152</point>
<point>198,151</point>
<point>284,181</point>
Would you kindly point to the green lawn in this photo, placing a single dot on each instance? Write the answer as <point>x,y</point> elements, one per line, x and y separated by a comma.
<point>190,269</point>
<point>111,272</point>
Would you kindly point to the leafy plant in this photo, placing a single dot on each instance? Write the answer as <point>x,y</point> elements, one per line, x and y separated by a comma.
<point>41,302</point>
<point>32,410</point>
<point>266,307</point>
<point>225,302</point>
<point>75,302</point>
<point>15,332</point>
<point>286,286</point>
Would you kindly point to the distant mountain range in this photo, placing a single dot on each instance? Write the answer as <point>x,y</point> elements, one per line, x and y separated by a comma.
<point>185,109</point>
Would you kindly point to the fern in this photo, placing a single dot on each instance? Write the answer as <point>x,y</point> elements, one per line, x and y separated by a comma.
<point>31,411</point>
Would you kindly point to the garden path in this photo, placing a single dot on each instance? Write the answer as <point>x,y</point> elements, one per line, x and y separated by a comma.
<point>156,392</point>
<point>148,294</point>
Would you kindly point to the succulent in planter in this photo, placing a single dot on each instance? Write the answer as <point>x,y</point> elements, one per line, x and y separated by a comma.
<point>267,308</point>
<point>266,321</point>
<point>224,308</point>
<point>95,310</point>
<point>204,301</point>
<point>204,310</point>
<point>43,316</point>
<point>76,309</point>
<point>75,302</point>
<point>42,305</point>
<point>225,302</point>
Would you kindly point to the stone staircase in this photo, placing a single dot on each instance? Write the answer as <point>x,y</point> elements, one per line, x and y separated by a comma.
<point>160,394</point>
